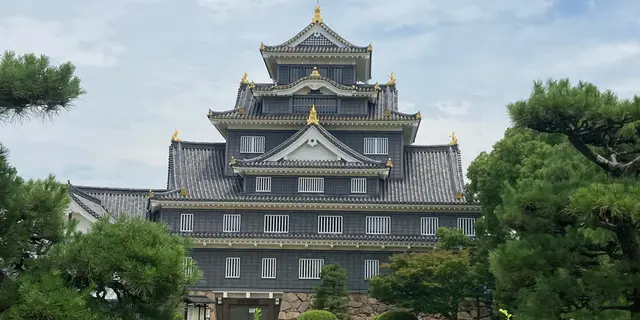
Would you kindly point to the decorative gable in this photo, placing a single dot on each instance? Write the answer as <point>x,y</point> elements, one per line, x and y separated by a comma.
<point>317,39</point>
<point>313,146</point>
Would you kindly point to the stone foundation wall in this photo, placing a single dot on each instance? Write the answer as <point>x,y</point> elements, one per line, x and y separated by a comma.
<point>361,307</point>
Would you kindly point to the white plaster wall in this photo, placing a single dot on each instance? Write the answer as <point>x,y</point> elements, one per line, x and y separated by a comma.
<point>85,220</point>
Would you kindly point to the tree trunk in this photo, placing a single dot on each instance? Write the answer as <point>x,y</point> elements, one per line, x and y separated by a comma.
<point>630,244</point>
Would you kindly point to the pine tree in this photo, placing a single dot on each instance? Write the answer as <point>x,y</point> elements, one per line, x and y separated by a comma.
<point>332,294</point>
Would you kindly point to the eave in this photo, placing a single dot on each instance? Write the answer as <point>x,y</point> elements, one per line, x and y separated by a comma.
<point>341,245</point>
<point>315,83</point>
<point>382,173</point>
<point>157,204</point>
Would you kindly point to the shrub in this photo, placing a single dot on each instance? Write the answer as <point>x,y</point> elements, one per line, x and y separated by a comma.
<point>332,293</point>
<point>397,315</point>
<point>318,315</point>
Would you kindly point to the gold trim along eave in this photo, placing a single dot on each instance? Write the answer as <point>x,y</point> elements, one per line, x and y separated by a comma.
<point>279,54</point>
<point>222,205</point>
<point>292,244</point>
<point>325,122</point>
<point>382,172</point>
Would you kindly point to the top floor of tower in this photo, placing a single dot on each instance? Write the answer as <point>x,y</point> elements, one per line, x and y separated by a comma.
<point>318,46</point>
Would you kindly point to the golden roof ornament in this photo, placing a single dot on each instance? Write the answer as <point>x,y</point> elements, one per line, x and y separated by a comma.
<point>419,115</point>
<point>150,194</point>
<point>454,139</point>
<point>317,14</point>
<point>252,84</point>
<point>184,192</point>
<point>210,113</point>
<point>387,113</point>
<point>389,163</point>
<point>392,79</point>
<point>244,80</point>
<point>313,116</point>
<point>369,47</point>
<point>241,110</point>
<point>233,161</point>
<point>315,73</point>
<point>459,195</point>
<point>174,136</point>
<point>261,46</point>
<point>377,86</point>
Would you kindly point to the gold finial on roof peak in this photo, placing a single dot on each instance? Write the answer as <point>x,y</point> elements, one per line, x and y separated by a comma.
<point>419,115</point>
<point>454,139</point>
<point>369,47</point>
<point>313,116</point>
<point>210,113</point>
<point>150,194</point>
<point>174,136</point>
<point>244,80</point>
<point>317,14</point>
<point>315,73</point>
<point>392,79</point>
<point>261,46</point>
<point>377,86</point>
<point>252,84</point>
<point>389,163</point>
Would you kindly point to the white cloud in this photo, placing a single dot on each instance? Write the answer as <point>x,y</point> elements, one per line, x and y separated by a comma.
<point>457,62</point>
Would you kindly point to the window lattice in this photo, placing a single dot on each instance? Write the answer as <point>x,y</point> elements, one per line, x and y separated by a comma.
<point>358,185</point>
<point>310,268</point>
<point>371,268</point>
<point>275,223</point>
<point>330,224</point>
<point>251,144</point>
<point>232,268</point>
<point>263,184</point>
<point>378,225</point>
<point>317,40</point>
<point>428,226</point>
<point>376,145</point>
<point>468,226</point>
<point>186,222</point>
<point>268,268</point>
<point>315,185</point>
<point>231,223</point>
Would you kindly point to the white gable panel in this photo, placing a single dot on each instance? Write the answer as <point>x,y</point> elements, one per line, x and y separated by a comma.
<point>317,29</point>
<point>312,139</point>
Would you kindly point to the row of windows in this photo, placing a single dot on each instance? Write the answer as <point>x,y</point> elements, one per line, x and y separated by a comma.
<point>308,269</point>
<point>372,146</point>
<point>312,185</point>
<point>279,223</point>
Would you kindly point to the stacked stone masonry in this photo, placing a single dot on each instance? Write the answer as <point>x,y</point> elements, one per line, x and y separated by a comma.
<point>362,307</point>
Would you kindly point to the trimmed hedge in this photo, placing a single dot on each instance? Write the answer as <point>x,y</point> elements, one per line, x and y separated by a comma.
<point>397,315</point>
<point>318,315</point>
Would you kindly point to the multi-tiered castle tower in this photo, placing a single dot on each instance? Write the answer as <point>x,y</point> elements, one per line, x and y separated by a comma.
<point>318,167</point>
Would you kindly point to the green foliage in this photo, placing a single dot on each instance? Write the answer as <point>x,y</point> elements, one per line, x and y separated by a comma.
<point>136,259</point>
<point>317,315</point>
<point>332,294</point>
<point>432,283</point>
<point>257,313</point>
<point>559,218</point>
<point>397,315</point>
<point>29,86</point>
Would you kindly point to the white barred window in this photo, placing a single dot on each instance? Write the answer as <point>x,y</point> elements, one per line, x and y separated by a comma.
<point>188,266</point>
<point>330,224</point>
<point>186,222</point>
<point>428,226</point>
<point>276,223</point>
<point>358,185</point>
<point>376,145</point>
<point>263,184</point>
<point>371,268</point>
<point>251,144</point>
<point>232,268</point>
<point>467,225</point>
<point>378,225</point>
<point>268,268</point>
<point>315,185</point>
<point>231,223</point>
<point>310,268</point>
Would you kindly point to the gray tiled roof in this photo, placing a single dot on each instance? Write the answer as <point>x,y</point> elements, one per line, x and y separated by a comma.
<point>90,204</point>
<point>285,46</point>
<point>432,175</point>
<point>116,201</point>
<point>248,107</point>
<point>261,159</point>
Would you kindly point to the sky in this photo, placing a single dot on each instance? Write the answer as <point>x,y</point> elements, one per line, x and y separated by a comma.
<point>152,66</point>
